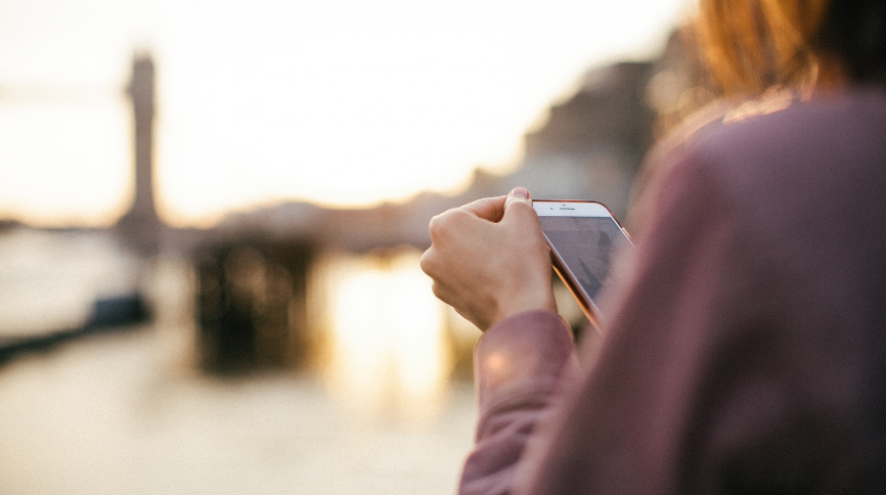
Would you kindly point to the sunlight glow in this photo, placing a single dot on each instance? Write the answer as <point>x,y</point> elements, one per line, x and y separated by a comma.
<point>66,162</point>
<point>387,352</point>
<point>339,102</point>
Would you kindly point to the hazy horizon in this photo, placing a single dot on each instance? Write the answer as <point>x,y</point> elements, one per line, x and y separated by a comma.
<point>339,103</point>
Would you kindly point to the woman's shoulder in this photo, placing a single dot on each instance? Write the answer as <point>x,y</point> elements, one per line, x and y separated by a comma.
<point>757,146</point>
<point>786,120</point>
<point>771,119</point>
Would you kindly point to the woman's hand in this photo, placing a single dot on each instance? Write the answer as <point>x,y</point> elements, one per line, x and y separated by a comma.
<point>489,259</point>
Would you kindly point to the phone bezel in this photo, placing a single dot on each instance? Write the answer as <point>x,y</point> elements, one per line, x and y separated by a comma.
<point>575,208</point>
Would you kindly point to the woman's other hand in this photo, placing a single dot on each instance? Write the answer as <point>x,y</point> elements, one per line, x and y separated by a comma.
<point>489,259</point>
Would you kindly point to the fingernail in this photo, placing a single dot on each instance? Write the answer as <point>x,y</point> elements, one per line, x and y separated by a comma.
<point>520,192</point>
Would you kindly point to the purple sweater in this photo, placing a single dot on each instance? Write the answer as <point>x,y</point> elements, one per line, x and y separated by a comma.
<point>746,350</point>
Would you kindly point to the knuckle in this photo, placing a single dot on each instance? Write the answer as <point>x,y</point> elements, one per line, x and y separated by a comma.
<point>434,225</point>
<point>435,288</point>
<point>441,224</point>
<point>439,292</point>
<point>427,261</point>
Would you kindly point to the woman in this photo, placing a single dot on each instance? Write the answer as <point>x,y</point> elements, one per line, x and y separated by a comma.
<point>744,352</point>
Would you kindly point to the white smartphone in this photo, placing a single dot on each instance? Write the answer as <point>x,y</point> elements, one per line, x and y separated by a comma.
<point>583,237</point>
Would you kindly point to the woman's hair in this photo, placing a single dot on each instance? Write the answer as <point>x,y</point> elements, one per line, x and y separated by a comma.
<point>752,45</point>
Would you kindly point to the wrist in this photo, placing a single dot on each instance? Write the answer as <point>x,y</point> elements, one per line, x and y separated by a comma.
<point>512,306</point>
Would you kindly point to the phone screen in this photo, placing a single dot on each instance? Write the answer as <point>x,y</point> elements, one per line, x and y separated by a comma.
<point>586,245</point>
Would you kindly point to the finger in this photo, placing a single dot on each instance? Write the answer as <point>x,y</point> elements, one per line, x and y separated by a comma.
<point>517,195</point>
<point>430,263</point>
<point>452,297</point>
<point>491,209</point>
<point>452,225</point>
<point>518,206</point>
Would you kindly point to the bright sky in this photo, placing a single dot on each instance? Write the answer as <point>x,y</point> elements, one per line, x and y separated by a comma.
<point>340,102</point>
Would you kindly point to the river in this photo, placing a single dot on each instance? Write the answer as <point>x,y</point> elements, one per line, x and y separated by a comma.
<point>129,412</point>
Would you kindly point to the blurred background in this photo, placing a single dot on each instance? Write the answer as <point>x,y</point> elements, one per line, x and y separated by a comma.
<point>211,215</point>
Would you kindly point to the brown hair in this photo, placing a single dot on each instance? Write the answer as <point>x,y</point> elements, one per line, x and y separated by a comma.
<point>752,45</point>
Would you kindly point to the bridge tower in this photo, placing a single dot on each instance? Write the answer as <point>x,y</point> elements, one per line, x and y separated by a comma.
<point>140,227</point>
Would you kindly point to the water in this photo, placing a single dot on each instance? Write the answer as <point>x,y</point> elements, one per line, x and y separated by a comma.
<point>128,412</point>
<point>48,280</point>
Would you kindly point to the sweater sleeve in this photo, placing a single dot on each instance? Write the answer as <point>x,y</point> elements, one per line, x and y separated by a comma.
<point>518,363</point>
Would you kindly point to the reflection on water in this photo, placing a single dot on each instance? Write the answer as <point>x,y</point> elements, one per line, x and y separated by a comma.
<point>131,413</point>
<point>110,416</point>
<point>386,350</point>
<point>383,342</point>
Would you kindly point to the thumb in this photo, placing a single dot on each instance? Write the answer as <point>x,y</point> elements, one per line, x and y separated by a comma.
<point>515,201</point>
